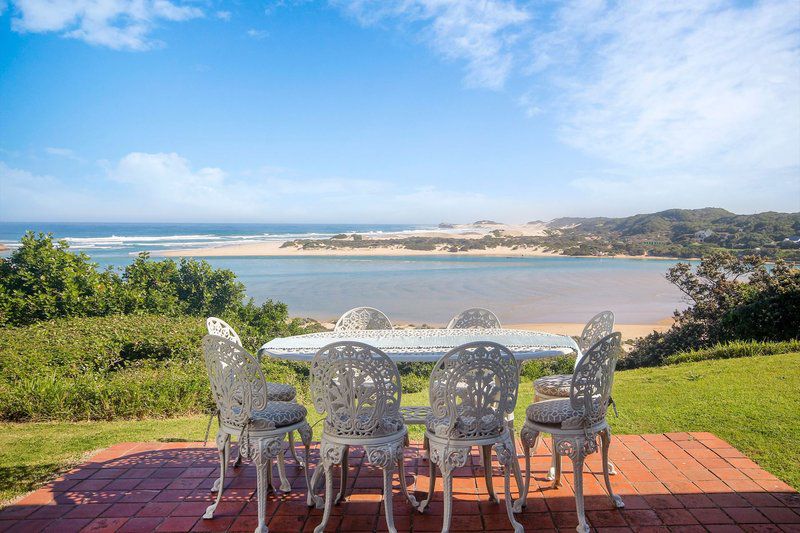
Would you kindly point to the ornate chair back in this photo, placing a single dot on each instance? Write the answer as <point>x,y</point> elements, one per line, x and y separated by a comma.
<point>599,326</point>
<point>358,386</point>
<point>237,383</point>
<point>472,389</point>
<point>362,318</point>
<point>217,326</point>
<point>593,378</point>
<point>474,318</point>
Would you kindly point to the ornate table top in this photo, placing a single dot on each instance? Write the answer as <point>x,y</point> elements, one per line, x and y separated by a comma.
<point>423,345</point>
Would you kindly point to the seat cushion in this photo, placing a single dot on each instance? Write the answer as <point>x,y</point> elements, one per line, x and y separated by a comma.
<point>554,412</point>
<point>465,427</point>
<point>557,385</point>
<point>551,411</point>
<point>280,392</point>
<point>277,415</point>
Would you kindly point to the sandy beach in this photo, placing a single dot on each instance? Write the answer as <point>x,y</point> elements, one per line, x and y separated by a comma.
<point>629,331</point>
<point>276,249</point>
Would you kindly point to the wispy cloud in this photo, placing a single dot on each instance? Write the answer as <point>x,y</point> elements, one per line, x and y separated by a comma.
<point>63,152</point>
<point>256,34</point>
<point>702,88</point>
<point>117,24</point>
<point>482,34</point>
<point>223,15</point>
<point>707,85</point>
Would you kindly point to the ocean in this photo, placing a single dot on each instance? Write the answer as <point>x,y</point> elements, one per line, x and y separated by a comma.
<point>415,289</point>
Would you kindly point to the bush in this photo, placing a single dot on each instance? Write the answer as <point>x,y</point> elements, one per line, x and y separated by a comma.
<point>112,367</point>
<point>532,370</point>
<point>43,280</point>
<point>735,349</point>
<point>731,299</point>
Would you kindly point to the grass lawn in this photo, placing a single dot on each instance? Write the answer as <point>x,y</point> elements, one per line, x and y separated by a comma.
<point>753,403</point>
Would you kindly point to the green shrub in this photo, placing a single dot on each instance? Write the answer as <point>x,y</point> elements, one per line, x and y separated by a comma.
<point>731,298</point>
<point>734,349</point>
<point>112,367</point>
<point>537,368</point>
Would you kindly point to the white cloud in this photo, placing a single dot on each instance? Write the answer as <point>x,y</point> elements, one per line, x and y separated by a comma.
<point>223,15</point>
<point>705,85</point>
<point>167,187</point>
<point>483,34</point>
<point>704,89</point>
<point>117,24</point>
<point>170,176</point>
<point>256,34</point>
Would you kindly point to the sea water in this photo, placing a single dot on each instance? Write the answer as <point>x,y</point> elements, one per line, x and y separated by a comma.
<point>416,289</point>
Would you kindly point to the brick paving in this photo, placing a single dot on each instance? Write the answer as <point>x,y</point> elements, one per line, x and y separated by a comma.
<point>682,482</point>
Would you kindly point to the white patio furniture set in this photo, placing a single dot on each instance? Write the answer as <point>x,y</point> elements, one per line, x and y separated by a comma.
<point>355,383</point>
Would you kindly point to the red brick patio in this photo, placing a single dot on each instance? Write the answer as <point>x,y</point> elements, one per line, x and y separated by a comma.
<point>675,482</point>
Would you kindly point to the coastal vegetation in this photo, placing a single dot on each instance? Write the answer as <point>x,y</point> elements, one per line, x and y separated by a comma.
<point>682,233</point>
<point>731,299</point>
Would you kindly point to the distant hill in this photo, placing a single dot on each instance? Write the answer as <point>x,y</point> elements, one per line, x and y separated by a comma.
<point>652,233</point>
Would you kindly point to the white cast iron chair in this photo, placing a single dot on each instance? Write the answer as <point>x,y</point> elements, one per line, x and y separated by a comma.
<point>476,317</point>
<point>558,386</point>
<point>240,392</point>
<point>358,388</point>
<point>276,392</point>
<point>361,318</point>
<point>472,389</point>
<point>576,422</point>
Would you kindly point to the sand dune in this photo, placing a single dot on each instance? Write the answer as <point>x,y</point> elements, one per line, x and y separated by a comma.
<point>454,231</point>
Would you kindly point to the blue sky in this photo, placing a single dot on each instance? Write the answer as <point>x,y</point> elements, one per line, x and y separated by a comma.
<point>395,110</point>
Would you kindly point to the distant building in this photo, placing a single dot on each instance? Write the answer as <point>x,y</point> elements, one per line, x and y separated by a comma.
<point>795,239</point>
<point>703,234</point>
<point>654,243</point>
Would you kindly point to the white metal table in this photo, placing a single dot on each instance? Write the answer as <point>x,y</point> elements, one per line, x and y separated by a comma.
<point>424,345</point>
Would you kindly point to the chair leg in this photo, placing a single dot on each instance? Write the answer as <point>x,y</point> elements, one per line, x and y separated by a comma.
<point>305,433</point>
<point>263,470</point>
<point>555,469</point>
<point>237,459</point>
<point>285,485</point>
<point>330,454</point>
<point>577,468</point>
<point>605,438</point>
<point>507,456</point>
<point>529,439</point>
<point>447,482</point>
<point>388,472</point>
<point>312,499</point>
<point>517,470</point>
<point>431,477</point>
<point>448,458</point>
<point>270,475</point>
<point>343,478</point>
<point>222,445</point>
<point>486,454</point>
<point>404,484</point>
<point>328,499</point>
<point>300,462</point>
